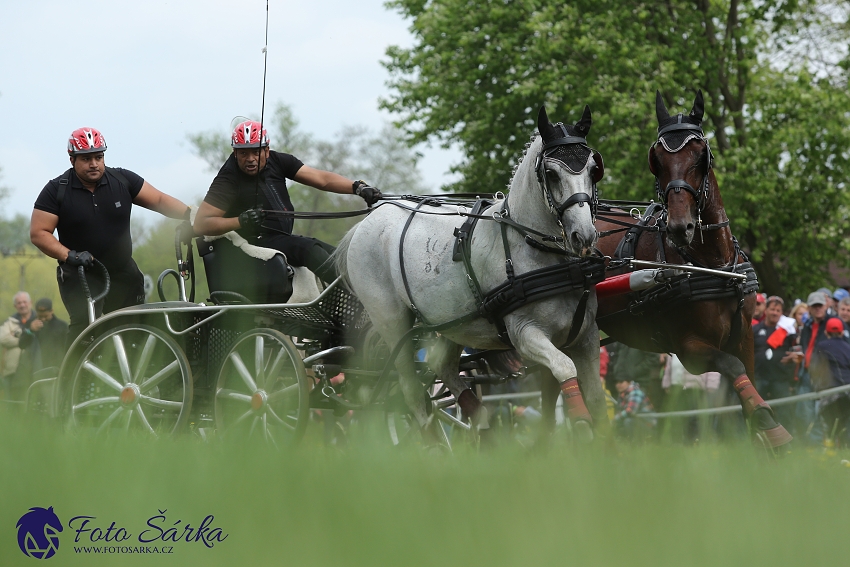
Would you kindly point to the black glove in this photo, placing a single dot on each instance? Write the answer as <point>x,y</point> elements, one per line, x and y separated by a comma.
<point>84,259</point>
<point>186,232</point>
<point>251,220</point>
<point>370,194</point>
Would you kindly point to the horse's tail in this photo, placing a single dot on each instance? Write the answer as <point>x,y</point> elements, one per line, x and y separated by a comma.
<point>340,255</point>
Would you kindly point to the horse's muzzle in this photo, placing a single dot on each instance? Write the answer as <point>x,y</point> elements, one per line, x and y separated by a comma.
<point>680,234</point>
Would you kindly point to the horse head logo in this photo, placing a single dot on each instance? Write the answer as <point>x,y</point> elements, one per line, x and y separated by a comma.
<point>38,533</point>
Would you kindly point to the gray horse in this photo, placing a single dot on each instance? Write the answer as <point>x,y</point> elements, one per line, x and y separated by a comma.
<point>400,265</point>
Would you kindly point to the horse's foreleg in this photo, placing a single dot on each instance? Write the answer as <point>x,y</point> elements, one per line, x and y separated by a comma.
<point>535,346</point>
<point>585,355</point>
<point>756,410</point>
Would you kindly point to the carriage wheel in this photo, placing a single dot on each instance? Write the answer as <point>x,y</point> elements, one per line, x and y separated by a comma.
<point>132,377</point>
<point>403,429</point>
<point>263,389</point>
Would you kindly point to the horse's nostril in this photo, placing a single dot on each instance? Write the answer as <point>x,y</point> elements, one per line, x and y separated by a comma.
<point>690,226</point>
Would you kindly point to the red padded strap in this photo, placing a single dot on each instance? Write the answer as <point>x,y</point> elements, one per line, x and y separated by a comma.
<point>576,409</point>
<point>614,285</point>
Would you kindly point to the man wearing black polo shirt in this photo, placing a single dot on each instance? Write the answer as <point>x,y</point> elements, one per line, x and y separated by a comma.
<point>89,205</point>
<point>236,192</point>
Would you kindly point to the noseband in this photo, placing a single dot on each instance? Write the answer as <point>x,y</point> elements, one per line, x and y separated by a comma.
<point>576,198</point>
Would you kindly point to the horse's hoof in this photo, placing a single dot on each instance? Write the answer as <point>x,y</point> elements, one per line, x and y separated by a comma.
<point>773,439</point>
<point>582,431</point>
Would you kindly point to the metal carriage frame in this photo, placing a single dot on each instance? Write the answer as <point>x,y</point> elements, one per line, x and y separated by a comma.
<point>237,369</point>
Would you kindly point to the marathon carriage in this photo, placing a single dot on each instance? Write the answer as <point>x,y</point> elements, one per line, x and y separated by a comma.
<point>249,364</point>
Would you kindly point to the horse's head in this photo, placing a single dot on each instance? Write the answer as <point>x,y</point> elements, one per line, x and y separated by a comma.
<point>680,160</point>
<point>567,171</point>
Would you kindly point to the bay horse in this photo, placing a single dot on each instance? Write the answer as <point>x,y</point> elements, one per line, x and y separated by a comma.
<point>709,325</point>
<point>401,264</point>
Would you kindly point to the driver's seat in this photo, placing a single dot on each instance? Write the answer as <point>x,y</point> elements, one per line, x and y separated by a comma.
<point>229,269</point>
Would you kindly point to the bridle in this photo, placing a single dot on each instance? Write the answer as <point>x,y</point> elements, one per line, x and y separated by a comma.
<point>701,194</point>
<point>579,198</point>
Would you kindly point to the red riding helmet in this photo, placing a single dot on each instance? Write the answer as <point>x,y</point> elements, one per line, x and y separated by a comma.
<point>247,135</point>
<point>86,141</point>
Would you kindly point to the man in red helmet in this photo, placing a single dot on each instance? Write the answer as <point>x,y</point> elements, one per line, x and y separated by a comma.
<point>238,199</point>
<point>89,206</point>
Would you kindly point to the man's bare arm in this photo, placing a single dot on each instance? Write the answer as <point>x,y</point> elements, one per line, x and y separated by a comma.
<point>42,226</point>
<point>152,198</point>
<point>324,180</point>
<point>210,221</point>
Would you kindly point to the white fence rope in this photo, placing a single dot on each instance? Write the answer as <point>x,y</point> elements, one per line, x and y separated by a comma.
<point>691,413</point>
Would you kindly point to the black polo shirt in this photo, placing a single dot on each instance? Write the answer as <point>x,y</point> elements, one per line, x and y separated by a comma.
<point>97,222</point>
<point>233,191</point>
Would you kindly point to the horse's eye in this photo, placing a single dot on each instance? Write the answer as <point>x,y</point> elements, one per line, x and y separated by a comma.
<point>552,175</point>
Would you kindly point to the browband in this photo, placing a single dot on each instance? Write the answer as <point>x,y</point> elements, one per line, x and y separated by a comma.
<point>564,141</point>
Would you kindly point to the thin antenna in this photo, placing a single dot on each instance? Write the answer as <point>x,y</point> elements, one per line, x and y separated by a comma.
<point>263,106</point>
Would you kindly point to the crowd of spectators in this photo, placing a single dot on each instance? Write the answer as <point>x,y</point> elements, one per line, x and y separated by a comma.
<point>807,350</point>
<point>31,340</point>
<point>799,348</point>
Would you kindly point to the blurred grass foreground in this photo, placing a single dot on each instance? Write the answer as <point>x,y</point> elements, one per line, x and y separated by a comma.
<point>370,504</point>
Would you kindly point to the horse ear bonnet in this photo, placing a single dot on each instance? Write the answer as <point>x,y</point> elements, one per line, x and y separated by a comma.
<point>574,156</point>
<point>676,131</point>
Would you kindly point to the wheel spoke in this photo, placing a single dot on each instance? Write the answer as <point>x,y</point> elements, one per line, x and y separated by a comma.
<point>243,417</point>
<point>243,371</point>
<point>144,359</point>
<point>445,417</point>
<point>121,353</point>
<point>128,420</point>
<point>275,367</point>
<point>109,419</point>
<point>103,376</point>
<point>259,366</point>
<point>233,395</point>
<point>97,401</point>
<point>271,436</point>
<point>270,411</point>
<point>163,404</point>
<point>289,390</point>
<point>253,426</point>
<point>144,420</point>
<point>154,380</point>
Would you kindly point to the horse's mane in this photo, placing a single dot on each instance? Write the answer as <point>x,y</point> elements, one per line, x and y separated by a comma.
<point>528,144</point>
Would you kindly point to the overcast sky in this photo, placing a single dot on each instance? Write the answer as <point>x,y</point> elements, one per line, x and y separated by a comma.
<point>149,73</point>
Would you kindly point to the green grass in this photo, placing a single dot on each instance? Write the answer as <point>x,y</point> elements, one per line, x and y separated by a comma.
<point>609,504</point>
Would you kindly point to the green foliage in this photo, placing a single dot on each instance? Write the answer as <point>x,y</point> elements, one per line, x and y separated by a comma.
<point>480,69</point>
<point>154,252</point>
<point>383,159</point>
<point>15,235</point>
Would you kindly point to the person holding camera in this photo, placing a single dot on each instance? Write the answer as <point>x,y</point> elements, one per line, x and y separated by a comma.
<point>11,332</point>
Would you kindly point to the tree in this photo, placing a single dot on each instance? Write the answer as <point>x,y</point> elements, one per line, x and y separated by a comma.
<point>14,232</point>
<point>383,159</point>
<point>479,69</point>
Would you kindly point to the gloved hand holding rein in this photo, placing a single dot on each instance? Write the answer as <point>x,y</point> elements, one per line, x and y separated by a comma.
<point>369,194</point>
<point>186,232</point>
<point>84,259</point>
<point>252,219</point>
